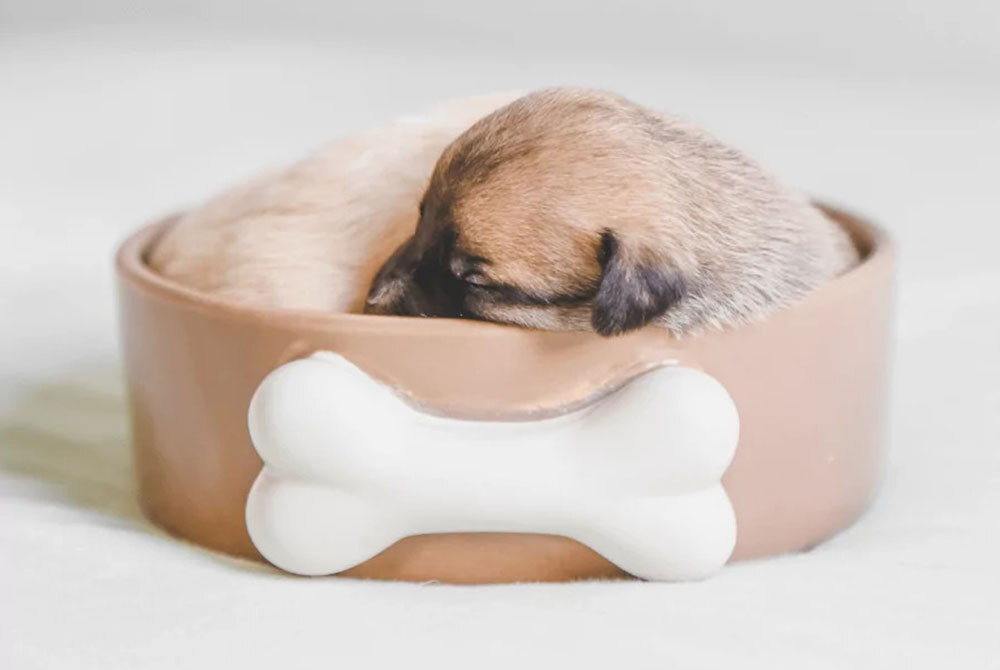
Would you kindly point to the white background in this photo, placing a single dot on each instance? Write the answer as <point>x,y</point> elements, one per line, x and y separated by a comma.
<point>114,112</point>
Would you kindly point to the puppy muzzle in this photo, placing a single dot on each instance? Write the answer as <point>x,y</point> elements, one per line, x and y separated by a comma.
<point>422,292</point>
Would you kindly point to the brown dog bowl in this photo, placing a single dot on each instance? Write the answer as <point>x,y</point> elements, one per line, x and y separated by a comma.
<point>809,384</point>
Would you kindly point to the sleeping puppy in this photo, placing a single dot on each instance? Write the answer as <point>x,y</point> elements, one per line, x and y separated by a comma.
<point>577,209</point>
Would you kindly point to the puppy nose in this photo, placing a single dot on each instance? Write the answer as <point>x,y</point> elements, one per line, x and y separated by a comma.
<point>383,294</point>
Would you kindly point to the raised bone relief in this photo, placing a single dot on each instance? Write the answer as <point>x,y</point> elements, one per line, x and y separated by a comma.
<point>350,467</point>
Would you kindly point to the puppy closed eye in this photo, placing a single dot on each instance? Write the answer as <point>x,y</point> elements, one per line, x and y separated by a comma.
<point>478,280</point>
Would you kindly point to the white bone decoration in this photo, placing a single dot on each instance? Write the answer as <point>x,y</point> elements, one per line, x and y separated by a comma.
<point>350,467</point>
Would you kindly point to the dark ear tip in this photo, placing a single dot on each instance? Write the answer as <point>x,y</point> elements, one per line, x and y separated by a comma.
<point>631,295</point>
<point>605,325</point>
<point>608,326</point>
<point>604,329</point>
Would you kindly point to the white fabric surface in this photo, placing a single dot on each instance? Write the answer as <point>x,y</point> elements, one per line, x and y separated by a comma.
<point>100,131</point>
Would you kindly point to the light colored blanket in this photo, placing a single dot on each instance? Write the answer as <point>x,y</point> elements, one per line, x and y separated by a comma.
<point>86,583</point>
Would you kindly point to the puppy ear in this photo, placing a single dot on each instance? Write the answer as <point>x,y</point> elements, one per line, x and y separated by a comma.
<point>633,289</point>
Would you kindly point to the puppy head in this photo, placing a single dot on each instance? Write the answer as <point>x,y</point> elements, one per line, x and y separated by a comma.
<point>540,215</point>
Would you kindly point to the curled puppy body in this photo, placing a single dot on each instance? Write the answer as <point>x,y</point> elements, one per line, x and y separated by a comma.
<point>577,209</point>
<point>312,236</point>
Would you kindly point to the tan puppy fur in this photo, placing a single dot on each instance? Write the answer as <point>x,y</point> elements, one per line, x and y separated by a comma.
<point>313,235</point>
<point>572,209</point>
